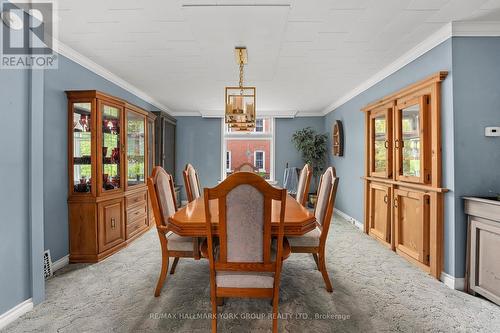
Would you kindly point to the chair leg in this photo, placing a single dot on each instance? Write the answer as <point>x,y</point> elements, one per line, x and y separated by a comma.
<point>322,268</point>
<point>164,266</point>
<point>275,313</point>
<point>315,256</point>
<point>214,314</point>
<point>174,265</point>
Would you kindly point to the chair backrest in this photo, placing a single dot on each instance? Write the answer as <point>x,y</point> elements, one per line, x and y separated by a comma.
<point>303,184</point>
<point>245,203</point>
<point>245,167</point>
<point>326,200</point>
<point>162,195</point>
<point>191,182</point>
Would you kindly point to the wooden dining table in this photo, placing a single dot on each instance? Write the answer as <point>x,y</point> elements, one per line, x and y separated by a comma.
<point>190,220</point>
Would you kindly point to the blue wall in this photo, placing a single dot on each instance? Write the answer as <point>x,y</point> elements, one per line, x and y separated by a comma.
<point>198,141</point>
<point>14,220</point>
<point>69,76</point>
<point>476,105</point>
<point>285,150</point>
<point>350,167</point>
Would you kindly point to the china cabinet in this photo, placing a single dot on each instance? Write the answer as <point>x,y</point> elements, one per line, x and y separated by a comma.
<point>109,157</point>
<point>403,193</point>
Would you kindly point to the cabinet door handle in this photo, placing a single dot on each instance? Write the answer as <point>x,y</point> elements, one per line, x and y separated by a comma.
<point>395,203</point>
<point>386,198</point>
<point>396,143</point>
<point>386,144</point>
<point>113,223</point>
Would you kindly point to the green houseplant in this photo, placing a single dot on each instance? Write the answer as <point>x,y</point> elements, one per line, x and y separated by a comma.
<point>313,148</point>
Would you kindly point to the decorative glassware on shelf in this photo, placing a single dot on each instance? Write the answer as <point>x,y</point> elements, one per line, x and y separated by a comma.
<point>380,156</point>
<point>110,147</point>
<point>136,136</point>
<point>82,135</point>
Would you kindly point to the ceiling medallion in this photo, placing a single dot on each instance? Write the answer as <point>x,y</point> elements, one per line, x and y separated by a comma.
<point>240,101</point>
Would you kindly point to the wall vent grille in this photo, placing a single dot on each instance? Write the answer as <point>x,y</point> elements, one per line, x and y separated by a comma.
<point>47,264</point>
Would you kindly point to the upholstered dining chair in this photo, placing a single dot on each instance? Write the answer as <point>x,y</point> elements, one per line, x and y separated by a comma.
<point>314,242</point>
<point>245,167</point>
<point>162,196</point>
<point>245,261</point>
<point>303,184</point>
<point>192,183</point>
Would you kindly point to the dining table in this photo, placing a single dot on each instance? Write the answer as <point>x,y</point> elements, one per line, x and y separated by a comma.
<point>190,220</point>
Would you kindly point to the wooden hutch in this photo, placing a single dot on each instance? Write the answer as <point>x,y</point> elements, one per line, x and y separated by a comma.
<point>110,154</point>
<point>403,193</point>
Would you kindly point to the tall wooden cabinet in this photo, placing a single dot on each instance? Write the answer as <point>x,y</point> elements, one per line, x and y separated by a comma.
<point>109,158</point>
<point>403,193</point>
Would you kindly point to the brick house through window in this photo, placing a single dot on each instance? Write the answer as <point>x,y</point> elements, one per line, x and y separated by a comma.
<point>254,147</point>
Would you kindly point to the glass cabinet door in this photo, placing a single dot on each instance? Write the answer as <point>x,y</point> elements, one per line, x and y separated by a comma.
<point>111,143</point>
<point>82,147</point>
<point>380,142</point>
<point>410,140</point>
<point>136,139</point>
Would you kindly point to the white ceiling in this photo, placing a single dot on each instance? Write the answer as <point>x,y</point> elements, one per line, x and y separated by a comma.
<point>303,54</point>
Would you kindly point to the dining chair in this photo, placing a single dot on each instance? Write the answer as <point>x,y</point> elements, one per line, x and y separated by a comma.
<point>192,183</point>
<point>162,196</point>
<point>245,261</point>
<point>314,242</point>
<point>303,184</point>
<point>245,167</point>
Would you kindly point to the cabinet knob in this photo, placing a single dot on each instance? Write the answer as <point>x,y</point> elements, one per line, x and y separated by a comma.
<point>395,203</point>
<point>396,143</point>
<point>386,144</point>
<point>386,198</point>
<point>113,223</point>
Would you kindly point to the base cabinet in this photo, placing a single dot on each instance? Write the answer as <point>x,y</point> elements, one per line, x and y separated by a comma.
<point>380,212</point>
<point>411,224</point>
<point>111,228</point>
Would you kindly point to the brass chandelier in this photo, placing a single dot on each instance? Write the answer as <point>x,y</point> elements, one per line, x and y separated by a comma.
<point>240,101</point>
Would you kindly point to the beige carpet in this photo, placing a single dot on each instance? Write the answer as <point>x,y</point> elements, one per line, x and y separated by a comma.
<point>375,291</point>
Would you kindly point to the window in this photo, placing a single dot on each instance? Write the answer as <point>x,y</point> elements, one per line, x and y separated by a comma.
<point>258,158</point>
<point>228,161</point>
<point>259,125</point>
<point>252,147</point>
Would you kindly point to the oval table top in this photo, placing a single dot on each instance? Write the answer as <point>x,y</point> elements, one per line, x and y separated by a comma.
<point>190,220</point>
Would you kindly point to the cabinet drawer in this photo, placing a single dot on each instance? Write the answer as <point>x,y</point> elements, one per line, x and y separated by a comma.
<point>111,226</point>
<point>137,225</point>
<point>135,212</point>
<point>136,198</point>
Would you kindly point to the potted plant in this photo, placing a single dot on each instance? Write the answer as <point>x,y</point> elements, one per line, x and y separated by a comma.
<point>313,149</point>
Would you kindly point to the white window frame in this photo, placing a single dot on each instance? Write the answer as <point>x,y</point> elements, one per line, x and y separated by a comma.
<point>228,158</point>
<point>249,136</point>
<point>263,126</point>
<point>263,159</point>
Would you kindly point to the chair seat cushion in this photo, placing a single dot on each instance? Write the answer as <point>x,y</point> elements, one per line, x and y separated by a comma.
<point>311,239</point>
<point>179,243</point>
<point>245,279</point>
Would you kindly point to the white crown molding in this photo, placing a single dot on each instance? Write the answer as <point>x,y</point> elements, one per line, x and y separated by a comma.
<point>16,312</point>
<point>452,29</point>
<point>432,41</point>
<point>476,29</point>
<point>187,114</point>
<point>82,60</point>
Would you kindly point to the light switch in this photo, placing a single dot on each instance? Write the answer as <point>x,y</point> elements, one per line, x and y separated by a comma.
<point>492,131</point>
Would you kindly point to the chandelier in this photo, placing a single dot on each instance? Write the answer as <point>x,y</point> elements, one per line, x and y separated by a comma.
<point>240,101</point>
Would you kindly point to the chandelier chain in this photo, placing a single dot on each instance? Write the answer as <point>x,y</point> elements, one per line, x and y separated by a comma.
<point>241,72</point>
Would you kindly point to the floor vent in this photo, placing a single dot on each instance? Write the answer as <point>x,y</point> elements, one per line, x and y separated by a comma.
<point>47,264</point>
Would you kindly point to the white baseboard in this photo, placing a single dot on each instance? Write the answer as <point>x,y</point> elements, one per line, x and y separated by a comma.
<point>452,282</point>
<point>64,261</point>
<point>16,312</point>
<point>350,219</point>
